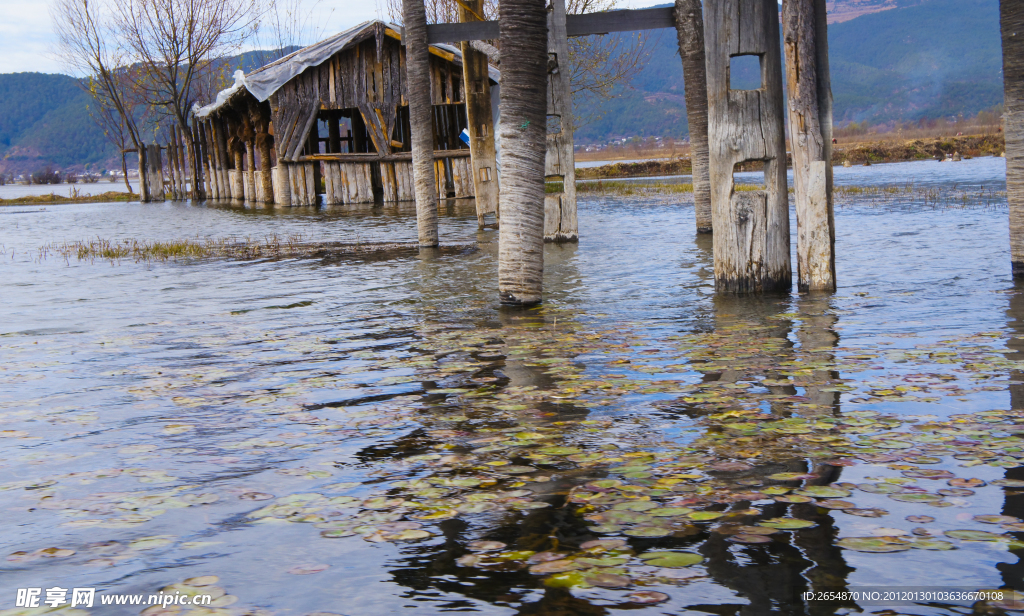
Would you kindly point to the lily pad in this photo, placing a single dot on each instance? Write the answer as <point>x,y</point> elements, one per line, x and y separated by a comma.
<point>605,561</point>
<point>604,544</point>
<point>560,451</point>
<point>671,559</point>
<point>932,544</point>
<point>705,516</point>
<point>916,497</point>
<point>874,544</point>
<point>925,473</point>
<point>976,535</point>
<point>996,519</point>
<point>836,504</point>
<point>608,580</point>
<point>555,566</point>
<point>786,523</point>
<point>823,492</point>
<point>920,519</point>
<point>647,597</point>
<point>648,531</point>
<point>485,546</point>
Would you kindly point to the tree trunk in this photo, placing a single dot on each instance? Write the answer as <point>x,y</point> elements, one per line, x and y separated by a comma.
<point>417,66</point>
<point>1011,17</point>
<point>524,52</point>
<point>690,29</point>
<point>124,170</point>
<point>810,130</point>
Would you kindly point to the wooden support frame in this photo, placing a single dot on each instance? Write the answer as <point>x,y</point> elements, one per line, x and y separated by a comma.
<point>575,25</point>
<point>751,237</point>
<point>805,38</point>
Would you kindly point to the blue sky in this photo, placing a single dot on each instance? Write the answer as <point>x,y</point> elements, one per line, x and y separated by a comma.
<point>26,39</point>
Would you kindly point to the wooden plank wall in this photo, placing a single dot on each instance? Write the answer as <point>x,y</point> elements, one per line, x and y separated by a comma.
<point>358,78</point>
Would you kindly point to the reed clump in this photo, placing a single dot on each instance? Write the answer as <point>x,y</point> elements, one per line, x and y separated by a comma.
<point>246,249</point>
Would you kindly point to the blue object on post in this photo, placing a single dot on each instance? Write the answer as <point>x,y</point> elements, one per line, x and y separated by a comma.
<point>464,135</point>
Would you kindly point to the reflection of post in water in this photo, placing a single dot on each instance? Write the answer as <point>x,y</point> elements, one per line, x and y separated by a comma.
<point>773,576</point>
<point>1013,503</point>
<point>818,339</point>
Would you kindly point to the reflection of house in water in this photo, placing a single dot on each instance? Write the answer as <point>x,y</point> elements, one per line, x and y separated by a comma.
<point>332,119</point>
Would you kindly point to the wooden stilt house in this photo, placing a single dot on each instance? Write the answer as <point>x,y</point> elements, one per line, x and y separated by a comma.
<point>332,119</point>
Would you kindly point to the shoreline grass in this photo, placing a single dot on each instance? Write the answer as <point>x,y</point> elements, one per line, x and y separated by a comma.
<point>55,199</point>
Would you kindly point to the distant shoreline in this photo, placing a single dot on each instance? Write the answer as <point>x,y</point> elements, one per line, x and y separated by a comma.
<point>856,154</point>
<point>55,199</point>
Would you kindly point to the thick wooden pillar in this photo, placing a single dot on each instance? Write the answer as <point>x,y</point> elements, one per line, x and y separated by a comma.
<point>479,116</point>
<point>560,163</point>
<point>805,36</point>
<point>250,168</point>
<point>421,125</point>
<point>1011,18</point>
<point>751,238</point>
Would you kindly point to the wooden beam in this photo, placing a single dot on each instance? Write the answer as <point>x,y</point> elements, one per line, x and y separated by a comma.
<point>355,158</point>
<point>575,25</point>
<point>620,21</point>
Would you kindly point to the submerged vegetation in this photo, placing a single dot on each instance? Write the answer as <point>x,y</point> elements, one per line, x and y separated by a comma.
<point>247,248</point>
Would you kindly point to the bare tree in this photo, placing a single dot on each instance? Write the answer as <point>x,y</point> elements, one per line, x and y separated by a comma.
<point>177,42</point>
<point>288,24</point>
<point>86,45</point>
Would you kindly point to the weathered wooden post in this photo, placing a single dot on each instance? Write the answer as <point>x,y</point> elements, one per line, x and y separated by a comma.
<point>560,223</point>
<point>207,161</point>
<point>479,116</point>
<point>751,235</point>
<point>524,53</point>
<point>1011,18</point>
<point>805,37</point>
<point>222,154</point>
<point>690,31</point>
<point>154,172</point>
<point>171,162</point>
<point>144,193</point>
<point>198,158</point>
<point>417,68</point>
<point>264,143</point>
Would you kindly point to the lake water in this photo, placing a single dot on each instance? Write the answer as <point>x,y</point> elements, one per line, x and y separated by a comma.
<point>367,435</point>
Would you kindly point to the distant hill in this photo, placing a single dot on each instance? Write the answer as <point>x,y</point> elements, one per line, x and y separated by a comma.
<point>45,119</point>
<point>899,60</point>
